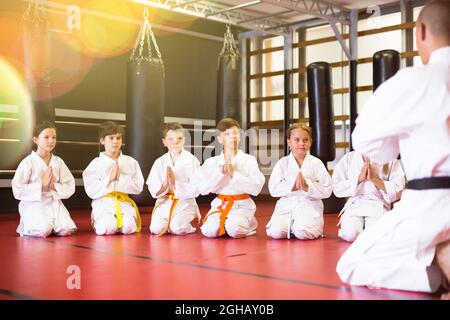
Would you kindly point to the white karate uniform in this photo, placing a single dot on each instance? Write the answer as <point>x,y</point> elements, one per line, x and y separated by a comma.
<point>97,186</point>
<point>186,209</point>
<point>298,212</point>
<point>247,179</point>
<point>366,203</point>
<point>409,112</point>
<point>42,213</point>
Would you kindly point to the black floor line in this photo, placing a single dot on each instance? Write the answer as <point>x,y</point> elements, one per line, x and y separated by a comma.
<point>397,296</point>
<point>16,295</point>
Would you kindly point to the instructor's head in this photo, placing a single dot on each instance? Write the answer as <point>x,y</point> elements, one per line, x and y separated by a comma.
<point>433,28</point>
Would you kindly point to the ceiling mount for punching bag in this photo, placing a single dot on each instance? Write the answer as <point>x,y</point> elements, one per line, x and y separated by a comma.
<point>145,103</point>
<point>36,45</point>
<point>228,80</point>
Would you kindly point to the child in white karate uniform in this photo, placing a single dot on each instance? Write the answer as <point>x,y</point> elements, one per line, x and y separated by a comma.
<point>171,182</point>
<point>301,181</point>
<point>108,180</point>
<point>233,176</point>
<point>41,181</point>
<point>371,188</point>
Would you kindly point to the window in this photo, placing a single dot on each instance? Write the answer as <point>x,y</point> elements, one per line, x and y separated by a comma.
<point>270,102</point>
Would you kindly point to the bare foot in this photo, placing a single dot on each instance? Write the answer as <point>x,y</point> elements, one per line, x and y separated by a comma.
<point>443,260</point>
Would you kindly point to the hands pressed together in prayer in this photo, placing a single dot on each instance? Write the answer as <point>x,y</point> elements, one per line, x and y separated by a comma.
<point>47,180</point>
<point>368,173</point>
<point>300,183</point>
<point>115,173</point>
<point>169,181</point>
<point>229,153</point>
<point>170,178</point>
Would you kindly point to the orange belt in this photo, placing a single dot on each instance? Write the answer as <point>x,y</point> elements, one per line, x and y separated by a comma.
<point>170,196</point>
<point>225,210</point>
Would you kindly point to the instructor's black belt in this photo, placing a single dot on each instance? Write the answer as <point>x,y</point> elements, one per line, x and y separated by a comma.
<point>429,183</point>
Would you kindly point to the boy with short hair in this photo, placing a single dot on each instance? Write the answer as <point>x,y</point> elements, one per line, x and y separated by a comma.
<point>108,180</point>
<point>233,176</point>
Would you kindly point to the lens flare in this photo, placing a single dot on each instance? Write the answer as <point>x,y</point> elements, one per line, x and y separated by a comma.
<point>10,38</point>
<point>43,56</point>
<point>16,116</point>
<point>68,66</point>
<point>107,28</point>
<point>172,19</point>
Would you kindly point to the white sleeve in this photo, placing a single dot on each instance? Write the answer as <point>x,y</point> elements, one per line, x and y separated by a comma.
<point>65,187</point>
<point>96,185</point>
<point>320,186</point>
<point>395,184</point>
<point>21,186</point>
<point>345,180</point>
<point>250,181</point>
<point>133,182</point>
<point>386,115</point>
<point>279,184</point>
<point>188,190</point>
<point>209,177</point>
<point>155,179</point>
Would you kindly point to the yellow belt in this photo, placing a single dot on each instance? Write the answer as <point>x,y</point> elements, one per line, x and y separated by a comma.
<point>170,196</point>
<point>123,197</point>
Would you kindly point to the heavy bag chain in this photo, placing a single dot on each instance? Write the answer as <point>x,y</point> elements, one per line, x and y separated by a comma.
<point>229,50</point>
<point>35,13</point>
<point>36,22</point>
<point>146,35</point>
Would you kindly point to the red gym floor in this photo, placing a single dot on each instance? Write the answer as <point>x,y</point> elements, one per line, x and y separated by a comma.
<point>142,266</point>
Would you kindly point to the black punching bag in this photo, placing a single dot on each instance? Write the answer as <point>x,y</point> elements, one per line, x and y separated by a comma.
<point>321,115</point>
<point>228,80</point>
<point>145,106</point>
<point>385,64</point>
<point>36,45</point>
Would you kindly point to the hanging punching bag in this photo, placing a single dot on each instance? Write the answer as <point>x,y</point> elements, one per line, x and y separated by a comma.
<point>385,64</point>
<point>228,80</point>
<point>36,45</point>
<point>145,105</point>
<point>321,114</point>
